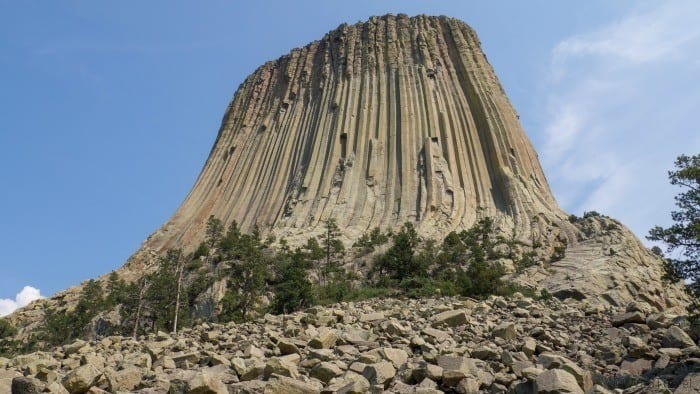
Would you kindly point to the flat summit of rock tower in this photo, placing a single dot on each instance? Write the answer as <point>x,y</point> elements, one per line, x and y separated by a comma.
<point>392,120</point>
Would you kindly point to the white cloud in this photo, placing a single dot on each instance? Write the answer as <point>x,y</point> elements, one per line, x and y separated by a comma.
<point>620,102</point>
<point>23,298</point>
<point>640,37</point>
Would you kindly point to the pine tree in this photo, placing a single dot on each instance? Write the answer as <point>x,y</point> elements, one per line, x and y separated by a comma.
<point>293,290</point>
<point>313,250</point>
<point>333,247</point>
<point>140,306</point>
<point>214,231</point>
<point>481,277</point>
<point>399,261</point>
<point>229,241</point>
<point>684,234</point>
<point>246,277</point>
<point>162,287</point>
<point>180,267</point>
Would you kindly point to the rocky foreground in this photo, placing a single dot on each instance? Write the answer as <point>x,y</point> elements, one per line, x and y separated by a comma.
<point>449,345</point>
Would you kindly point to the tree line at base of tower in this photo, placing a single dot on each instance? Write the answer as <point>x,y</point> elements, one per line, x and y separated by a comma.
<point>259,278</point>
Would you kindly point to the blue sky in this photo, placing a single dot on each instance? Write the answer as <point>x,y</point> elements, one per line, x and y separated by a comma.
<point>108,111</point>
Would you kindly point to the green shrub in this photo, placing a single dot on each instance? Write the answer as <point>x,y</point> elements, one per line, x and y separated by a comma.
<point>10,348</point>
<point>201,251</point>
<point>369,241</point>
<point>591,214</point>
<point>559,253</point>
<point>428,287</point>
<point>293,290</point>
<point>545,295</point>
<point>508,289</point>
<point>399,261</point>
<point>481,279</point>
<point>343,290</point>
<point>62,326</point>
<point>7,330</point>
<point>334,291</point>
<point>527,260</point>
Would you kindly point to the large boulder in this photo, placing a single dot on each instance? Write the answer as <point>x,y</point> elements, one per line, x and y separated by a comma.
<point>126,379</point>
<point>282,367</point>
<point>325,371</point>
<point>396,357</point>
<point>556,361</point>
<point>326,339</point>
<point>27,385</point>
<point>452,318</point>
<point>689,385</point>
<point>556,381</point>
<point>285,385</point>
<point>505,331</point>
<point>203,383</point>
<point>81,379</point>
<point>628,317</point>
<point>456,368</point>
<point>381,373</point>
<point>676,337</point>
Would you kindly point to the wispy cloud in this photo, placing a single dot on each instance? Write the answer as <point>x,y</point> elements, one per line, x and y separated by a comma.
<point>641,37</point>
<point>621,104</point>
<point>23,298</point>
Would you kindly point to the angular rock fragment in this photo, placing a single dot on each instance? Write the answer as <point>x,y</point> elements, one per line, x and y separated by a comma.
<point>505,331</point>
<point>381,373</point>
<point>450,318</point>
<point>557,381</point>
<point>81,379</point>
<point>674,337</point>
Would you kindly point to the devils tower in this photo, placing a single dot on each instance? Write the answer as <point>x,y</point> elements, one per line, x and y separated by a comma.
<point>393,120</point>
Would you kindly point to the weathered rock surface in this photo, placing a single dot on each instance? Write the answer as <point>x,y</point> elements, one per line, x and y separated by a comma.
<point>556,347</point>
